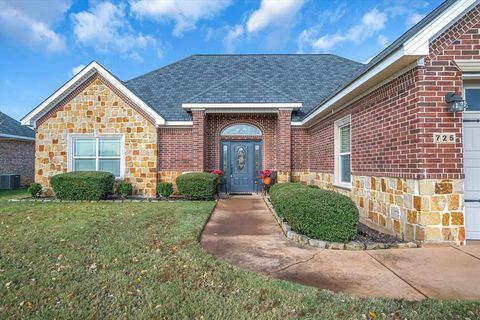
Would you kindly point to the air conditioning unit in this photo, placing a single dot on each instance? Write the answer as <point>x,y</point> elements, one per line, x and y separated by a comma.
<point>9,181</point>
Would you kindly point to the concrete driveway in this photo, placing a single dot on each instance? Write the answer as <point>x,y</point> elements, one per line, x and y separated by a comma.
<point>243,232</point>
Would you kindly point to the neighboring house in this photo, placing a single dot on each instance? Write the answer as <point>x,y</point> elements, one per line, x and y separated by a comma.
<point>17,149</point>
<point>381,133</point>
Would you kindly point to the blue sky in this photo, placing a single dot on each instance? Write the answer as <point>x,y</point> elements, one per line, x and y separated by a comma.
<point>44,42</point>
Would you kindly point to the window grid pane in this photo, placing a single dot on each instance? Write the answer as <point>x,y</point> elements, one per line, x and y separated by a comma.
<point>472,96</point>
<point>110,165</point>
<point>109,148</point>
<point>345,168</point>
<point>345,139</point>
<point>84,165</point>
<point>84,148</point>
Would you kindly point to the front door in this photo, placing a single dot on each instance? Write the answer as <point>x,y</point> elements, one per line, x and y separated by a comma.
<point>241,162</point>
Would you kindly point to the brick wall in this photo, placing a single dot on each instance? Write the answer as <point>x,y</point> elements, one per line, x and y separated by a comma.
<point>175,149</point>
<point>96,108</point>
<point>300,149</point>
<point>266,122</point>
<point>18,157</point>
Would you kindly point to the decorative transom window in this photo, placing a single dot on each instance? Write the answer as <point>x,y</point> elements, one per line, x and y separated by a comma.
<point>97,154</point>
<point>472,95</point>
<point>241,129</point>
<point>343,165</point>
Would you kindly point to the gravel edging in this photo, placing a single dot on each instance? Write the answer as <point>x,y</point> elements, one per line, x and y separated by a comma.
<point>352,245</point>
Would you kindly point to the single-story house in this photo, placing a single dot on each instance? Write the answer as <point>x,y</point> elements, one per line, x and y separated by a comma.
<point>391,133</point>
<point>17,149</point>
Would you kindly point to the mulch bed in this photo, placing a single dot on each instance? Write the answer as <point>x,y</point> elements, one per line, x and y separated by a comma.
<point>368,235</point>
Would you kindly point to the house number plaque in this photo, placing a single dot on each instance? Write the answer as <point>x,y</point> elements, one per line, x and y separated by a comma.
<point>444,138</point>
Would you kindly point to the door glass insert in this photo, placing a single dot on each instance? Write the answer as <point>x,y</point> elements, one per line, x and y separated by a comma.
<point>241,158</point>
<point>225,159</point>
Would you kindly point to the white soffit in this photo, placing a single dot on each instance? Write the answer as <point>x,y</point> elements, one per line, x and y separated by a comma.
<point>92,68</point>
<point>241,107</point>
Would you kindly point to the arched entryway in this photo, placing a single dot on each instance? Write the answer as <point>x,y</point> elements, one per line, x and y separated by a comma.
<point>241,158</point>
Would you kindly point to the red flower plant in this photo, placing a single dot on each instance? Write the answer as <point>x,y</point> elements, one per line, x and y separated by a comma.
<point>265,173</point>
<point>217,171</point>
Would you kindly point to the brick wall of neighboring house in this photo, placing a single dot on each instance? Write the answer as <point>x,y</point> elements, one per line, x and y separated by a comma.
<point>402,181</point>
<point>96,108</point>
<point>18,157</point>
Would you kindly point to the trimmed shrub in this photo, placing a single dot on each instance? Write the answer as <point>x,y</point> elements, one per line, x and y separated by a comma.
<point>317,213</point>
<point>34,189</point>
<point>313,186</point>
<point>164,189</point>
<point>84,185</point>
<point>124,189</point>
<point>198,186</point>
<point>279,191</point>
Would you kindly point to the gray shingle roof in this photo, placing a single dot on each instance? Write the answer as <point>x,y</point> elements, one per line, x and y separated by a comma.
<point>243,78</point>
<point>10,126</point>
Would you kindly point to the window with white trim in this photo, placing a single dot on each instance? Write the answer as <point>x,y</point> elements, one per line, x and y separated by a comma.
<point>343,166</point>
<point>97,154</point>
<point>472,95</point>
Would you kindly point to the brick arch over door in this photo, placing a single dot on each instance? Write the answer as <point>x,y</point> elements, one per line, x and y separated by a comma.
<point>267,123</point>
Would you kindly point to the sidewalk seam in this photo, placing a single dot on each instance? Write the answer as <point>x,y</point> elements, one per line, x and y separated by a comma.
<point>389,269</point>
<point>467,253</point>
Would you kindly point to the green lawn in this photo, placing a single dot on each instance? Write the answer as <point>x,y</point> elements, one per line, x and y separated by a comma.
<point>143,260</point>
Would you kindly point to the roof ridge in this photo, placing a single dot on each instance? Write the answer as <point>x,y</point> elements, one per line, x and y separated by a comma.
<point>220,82</point>
<point>269,87</point>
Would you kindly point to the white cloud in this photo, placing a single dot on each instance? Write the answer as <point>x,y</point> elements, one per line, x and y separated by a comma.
<point>372,22</point>
<point>77,69</point>
<point>105,28</point>
<point>232,38</point>
<point>32,22</point>
<point>185,14</point>
<point>382,40</point>
<point>273,12</point>
<point>414,18</point>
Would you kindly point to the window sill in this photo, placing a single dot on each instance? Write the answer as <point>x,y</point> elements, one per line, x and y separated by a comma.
<point>344,186</point>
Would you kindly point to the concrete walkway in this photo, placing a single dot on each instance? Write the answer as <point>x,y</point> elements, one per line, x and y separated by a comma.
<point>243,232</point>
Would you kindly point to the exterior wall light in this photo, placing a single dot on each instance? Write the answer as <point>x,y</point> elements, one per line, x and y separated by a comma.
<point>455,102</point>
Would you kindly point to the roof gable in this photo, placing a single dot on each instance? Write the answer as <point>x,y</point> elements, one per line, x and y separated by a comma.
<point>11,128</point>
<point>86,73</point>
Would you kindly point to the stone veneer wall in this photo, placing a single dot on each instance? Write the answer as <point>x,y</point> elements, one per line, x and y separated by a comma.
<point>18,157</point>
<point>421,210</point>
<point>96,108</point>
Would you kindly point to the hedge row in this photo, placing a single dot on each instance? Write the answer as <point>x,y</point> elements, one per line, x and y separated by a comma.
<point>85,185</point>
<point>198,186</point>
<point>317,213</point>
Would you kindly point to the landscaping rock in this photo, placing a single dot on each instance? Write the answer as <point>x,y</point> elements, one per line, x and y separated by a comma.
<point>336,245</point>
<point>354,245</point>
<point>318,243</point>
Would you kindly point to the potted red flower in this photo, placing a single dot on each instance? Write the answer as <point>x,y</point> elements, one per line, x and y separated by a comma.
<point>266,175</point>
<point>217,172</point>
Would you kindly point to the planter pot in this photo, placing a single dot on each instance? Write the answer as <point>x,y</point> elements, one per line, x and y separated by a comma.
<point>267,181</point>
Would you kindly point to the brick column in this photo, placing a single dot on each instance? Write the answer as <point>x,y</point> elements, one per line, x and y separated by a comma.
<point>284,145</point>
<point>198,138</point>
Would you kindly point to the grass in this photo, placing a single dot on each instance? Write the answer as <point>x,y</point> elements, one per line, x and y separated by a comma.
<point>143,260</point>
